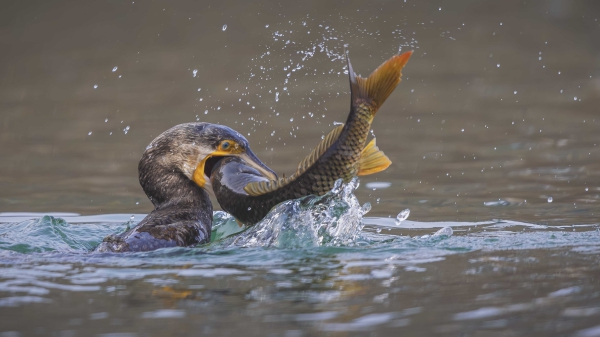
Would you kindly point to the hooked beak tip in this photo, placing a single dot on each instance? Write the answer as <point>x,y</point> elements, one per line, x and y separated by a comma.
<point>253,161</point>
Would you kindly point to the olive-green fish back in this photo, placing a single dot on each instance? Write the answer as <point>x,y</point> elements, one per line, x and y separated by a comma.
<point>263,187</point>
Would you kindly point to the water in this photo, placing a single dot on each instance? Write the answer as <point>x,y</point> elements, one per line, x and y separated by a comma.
<point>313,265</point>
<point>495,117</point>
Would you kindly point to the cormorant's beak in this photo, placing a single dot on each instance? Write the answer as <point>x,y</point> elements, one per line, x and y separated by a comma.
<point>202,172</point>
<point>250,158</point>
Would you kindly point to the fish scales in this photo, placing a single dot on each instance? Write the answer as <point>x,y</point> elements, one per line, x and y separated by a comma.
<point>248,196</point>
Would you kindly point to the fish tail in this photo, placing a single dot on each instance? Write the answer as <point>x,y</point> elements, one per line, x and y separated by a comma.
<point>379,85</point>
<point>372,160</point>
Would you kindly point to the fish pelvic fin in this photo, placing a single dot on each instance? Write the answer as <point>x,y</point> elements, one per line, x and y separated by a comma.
<point>379,85</point>
<point>263,187</point>
<point>372,160</point>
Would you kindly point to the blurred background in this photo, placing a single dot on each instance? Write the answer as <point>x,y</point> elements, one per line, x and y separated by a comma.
<point>495,117</point>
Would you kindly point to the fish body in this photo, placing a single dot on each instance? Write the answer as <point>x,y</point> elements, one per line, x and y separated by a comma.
<point>343,153</point>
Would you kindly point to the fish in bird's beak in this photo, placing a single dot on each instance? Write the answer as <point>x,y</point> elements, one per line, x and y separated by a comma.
<point>229,149</point>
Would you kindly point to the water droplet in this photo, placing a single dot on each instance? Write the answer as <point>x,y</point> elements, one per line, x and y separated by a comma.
<point>195,72</point>
<point>115,69</point>
<point>365,208</point>
<point>95,86</point>
<point>550,199</point>
<point>498,65</point>
<point>249,208</point>
<point>586,189</point>
<point>575,98</point>
<point>266,26</point>
<point>224,27</point>
<point>105,120</point>
<point>131,218</point>
<point>206,112</point>
<point>402,216</point>
<point>462,130</point>
<point>277,96</point>
<point>515,92</point>
<point>90,133</point>
<point>378,200</point>
<point>137,202</point>
<point>126,129</point>
<point>291,119</point>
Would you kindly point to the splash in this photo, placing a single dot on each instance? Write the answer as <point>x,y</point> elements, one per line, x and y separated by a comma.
<point>334,219</point>
<point>48,233</point>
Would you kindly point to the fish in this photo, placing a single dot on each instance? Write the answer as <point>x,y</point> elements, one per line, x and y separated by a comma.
<point>344,153</point>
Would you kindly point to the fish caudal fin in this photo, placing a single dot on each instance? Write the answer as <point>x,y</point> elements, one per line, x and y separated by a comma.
<point>380,84</point>
<point>372,160</point>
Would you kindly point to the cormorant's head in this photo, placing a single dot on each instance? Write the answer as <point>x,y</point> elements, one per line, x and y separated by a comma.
<point>194,148</point>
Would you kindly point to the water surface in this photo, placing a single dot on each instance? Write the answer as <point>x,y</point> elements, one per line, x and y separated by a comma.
<point>478,278</point>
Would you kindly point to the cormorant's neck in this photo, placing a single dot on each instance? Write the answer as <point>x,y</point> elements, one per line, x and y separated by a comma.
<point>167,187</point>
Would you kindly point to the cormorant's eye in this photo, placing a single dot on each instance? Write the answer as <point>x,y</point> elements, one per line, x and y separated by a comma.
<point>225,145</point>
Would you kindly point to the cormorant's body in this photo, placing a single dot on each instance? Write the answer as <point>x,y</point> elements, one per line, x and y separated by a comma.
<point>184,220</point>
<point>173,172</point>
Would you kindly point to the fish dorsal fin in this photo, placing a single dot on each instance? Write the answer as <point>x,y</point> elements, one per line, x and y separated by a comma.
<point>263,187</point>
<point>319,150</point>
<point>372,160</point>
